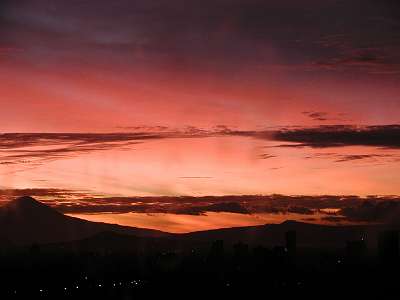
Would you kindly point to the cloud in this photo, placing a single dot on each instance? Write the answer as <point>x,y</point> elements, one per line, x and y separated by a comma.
<point>371,211</point>
<point>144,128</point>
<point>37,148</point>
<point>266,156</point>
<point>330,207</point>
<point>322,116</point>
<point>369,58</point>
<point>52,195</point>
<point>353,157</point>
<point>172,205</point>
<point>365,158</point>
<point>300,210</point>
<point>386,136</point>
<point>23,148</point>
<point>370,53</point>
<point>325,136</point>
<point>231,207</point>
<point>250,204</point>
<point>215,34</point>
<point>316,115</point>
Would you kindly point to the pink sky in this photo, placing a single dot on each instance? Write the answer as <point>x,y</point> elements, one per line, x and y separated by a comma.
<point>130,67</point>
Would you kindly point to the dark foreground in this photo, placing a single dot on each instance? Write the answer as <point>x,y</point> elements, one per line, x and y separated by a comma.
<point>59,273</point>
<point>47,255</point>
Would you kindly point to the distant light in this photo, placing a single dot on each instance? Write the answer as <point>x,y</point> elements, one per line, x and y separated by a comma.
<point>77,287</point>
<point>40,290</point>
<point>99,285</point>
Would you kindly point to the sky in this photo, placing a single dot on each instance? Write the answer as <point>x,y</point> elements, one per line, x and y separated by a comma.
<point>156,98</point>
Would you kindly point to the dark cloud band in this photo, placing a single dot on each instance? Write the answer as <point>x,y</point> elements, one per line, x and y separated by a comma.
<point>387,136</point>
<point>20,148</point>
<point>331,207</point>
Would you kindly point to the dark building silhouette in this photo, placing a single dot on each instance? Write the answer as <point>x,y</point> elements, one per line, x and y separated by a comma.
<point>356,250</point>
<point>218,247</point>
<point>388,245</point>
<point>291,241</point>
<point>217,250</point>
<point>241,251</point>
<point>279,252</point>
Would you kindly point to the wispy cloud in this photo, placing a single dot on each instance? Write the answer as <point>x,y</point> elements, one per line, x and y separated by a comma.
<point>323,116</point>
<point>346,52</point>
<point>316,115</point>
<point>23,148</point>
<point>266,156</point>
<point>38,148</point>
<point>365,158</point>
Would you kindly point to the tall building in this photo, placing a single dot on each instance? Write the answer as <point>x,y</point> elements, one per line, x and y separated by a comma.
<point>291,241</point>
<point>217,250</point>
<point>388,245</point>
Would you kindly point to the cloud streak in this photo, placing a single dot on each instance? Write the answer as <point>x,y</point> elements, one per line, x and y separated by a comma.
<point>37,148</point>
<point>332,208</point>
<point>26,148</point>
<point>23,148</point>
<point>382,136</point>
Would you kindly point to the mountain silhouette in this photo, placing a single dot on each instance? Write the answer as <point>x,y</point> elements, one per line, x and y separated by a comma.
<point>26,221</point>
<point>112,242</point>
<point>270,235</point>
<point>308,235</point>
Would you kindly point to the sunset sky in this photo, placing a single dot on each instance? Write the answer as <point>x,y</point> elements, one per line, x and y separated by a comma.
<point>109,100</point>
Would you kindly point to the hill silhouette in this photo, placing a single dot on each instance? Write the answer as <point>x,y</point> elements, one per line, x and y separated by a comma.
<point>26,220</point>
<point>308,235</point>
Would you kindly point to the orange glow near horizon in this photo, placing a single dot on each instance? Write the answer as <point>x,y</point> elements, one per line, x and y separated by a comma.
<point>188,223</point>
<point>212,166</point>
